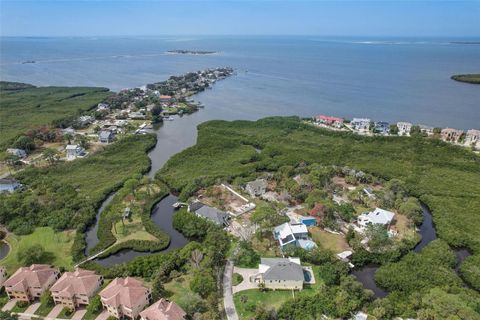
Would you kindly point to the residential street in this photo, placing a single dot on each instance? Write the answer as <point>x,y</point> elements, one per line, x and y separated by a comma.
<point>230,310</point>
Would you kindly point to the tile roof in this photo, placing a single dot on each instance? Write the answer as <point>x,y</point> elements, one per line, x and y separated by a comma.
<point>163,309</point>
<point>36,275</point>
<point>128,292</point>
<point>75,283</point>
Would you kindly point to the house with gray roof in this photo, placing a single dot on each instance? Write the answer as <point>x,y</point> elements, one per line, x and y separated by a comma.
<point>281,273</point>
<point>213,214</point>
<point>256,188</point>
<point>106,136</point>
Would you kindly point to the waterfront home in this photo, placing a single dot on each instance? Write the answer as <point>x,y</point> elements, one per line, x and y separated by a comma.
<point>3,275</point>
<point>404,128</point>
<point>103,107</point>
<point>163,309</point>
<point>28,283</point>
<point>106,136</point>
<point>136,116</point>
<point>472,138</point>
<point>165,98</point>
<point>75,289</point>
<point>281,273</point>
<point>451,135</point>
<point>360,124</point>
<point>9,185</point>
<point>19,153</point>
<point>74,151</point>
<point>85,120</point>
<point>426,129</point>
<point>331,121</point>
<point>295,234</point>
<point>125,297</point>
<point>213,214</point>
<point>256,188</point>
<point>381,127</point>
<point>377,216</point>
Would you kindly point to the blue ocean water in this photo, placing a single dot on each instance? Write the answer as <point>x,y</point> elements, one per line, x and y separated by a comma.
<point>385,79</point>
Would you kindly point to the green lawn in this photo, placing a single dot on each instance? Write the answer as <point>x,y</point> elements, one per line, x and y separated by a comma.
<point>327,240</point>
<point>44,309</point>
<point>20,309</point>
<point>179,287</point>
<point>33,107</point>
<point>57,243</point>
<point>65,314</point>
<point>236,279</point>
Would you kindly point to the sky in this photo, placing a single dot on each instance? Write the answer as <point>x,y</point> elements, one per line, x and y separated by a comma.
<point>325,18</point>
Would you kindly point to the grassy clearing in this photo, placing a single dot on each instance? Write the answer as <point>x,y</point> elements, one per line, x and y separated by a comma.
<point>29,108</point>
<point>237,279</point>
<point>57,243</point>
<point>44,309</point>
<point>179,287</point>
<point>327,240</point>
<point>130,230</point>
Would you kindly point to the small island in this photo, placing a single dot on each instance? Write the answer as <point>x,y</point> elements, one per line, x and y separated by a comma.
<point>190,52</point>
<point>473,78</point>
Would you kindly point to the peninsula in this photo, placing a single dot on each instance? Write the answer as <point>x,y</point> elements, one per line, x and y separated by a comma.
<point>190,52</point>
<point>473,78</point>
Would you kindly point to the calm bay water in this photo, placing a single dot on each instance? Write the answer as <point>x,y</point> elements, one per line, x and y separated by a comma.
<point>385,79</point>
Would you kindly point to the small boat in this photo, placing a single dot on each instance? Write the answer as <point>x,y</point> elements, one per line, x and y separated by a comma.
<point>167,118</point>
<point>28,61</point>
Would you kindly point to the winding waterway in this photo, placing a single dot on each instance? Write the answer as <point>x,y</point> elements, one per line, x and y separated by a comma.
<point>366,275</point>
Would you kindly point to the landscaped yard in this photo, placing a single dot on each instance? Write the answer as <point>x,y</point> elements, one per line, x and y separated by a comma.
<point>246,301</point>
<point>59,244</point>
<point>237,279</point>
<point>129,230</point>
<point>328,240</point>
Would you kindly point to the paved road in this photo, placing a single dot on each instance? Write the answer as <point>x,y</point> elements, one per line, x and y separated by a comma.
<point>230,310</point>
<point>246,275</point>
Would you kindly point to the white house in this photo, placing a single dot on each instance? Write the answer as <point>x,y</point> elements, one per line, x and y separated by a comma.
<point>20,153</point>
<point>473,138</point>
<point>74,151</point>
<point>9,185</point>
<point>361,124</point>
<point>404,128</point>
<point>377,216</point>
<point>103,107</point>
<point>426,129</point>
<point>293,234</point>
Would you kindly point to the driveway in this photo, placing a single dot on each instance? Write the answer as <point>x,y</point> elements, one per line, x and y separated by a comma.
<point>9,305</point>
<point>246,275</point>
<point>55,311</point>
<point>32,308</point>
<point>78,315</point>
<point>230,310</point>
<point>102,316</point>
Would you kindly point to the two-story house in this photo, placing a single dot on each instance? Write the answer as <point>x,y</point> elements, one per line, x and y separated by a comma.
<point>28,283</point>
<point>125,297</point>
<point>74,289</point>
<point>163,309</point>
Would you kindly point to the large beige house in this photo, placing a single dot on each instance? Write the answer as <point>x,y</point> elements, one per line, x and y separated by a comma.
<point>281,273</point>
<point>163,309</point>
<point>125,297</point>
<point>3,275</point>
<point>28,283</point>
<point>451,135</point>
<point>74,289</point>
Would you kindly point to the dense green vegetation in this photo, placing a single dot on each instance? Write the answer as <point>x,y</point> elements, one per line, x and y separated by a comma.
<point>443,176</point>
<point>469,78</point>
<point>140,196</point>
<point>26,107</point>
<point>65,196</point>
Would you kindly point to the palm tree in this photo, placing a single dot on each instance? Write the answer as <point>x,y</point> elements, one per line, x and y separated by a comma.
<point>68,138</point>
<point>197,257</point>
